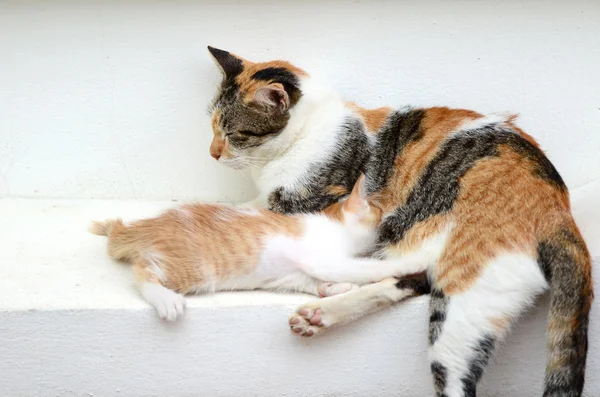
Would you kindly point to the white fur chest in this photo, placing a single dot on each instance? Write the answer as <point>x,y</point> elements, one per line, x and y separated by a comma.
<point>310,136</point>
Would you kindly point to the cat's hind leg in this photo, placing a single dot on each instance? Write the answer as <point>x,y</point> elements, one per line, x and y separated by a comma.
<point>465,326</point>
<point>169,304</point>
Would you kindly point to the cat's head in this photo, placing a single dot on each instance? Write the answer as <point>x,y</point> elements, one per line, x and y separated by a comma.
<point>357,212</point>
<point>251,108</point>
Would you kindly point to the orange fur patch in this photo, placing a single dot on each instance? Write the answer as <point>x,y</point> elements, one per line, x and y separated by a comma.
<point>337,190</point>
<point>415,236</point>
<point>436,125</point>
<point>373,119</point>
<point>249,86</point>
<point>501,207</point>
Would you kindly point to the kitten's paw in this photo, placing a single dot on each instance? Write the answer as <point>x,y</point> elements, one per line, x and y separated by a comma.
<point>172,307</point>
<point>308,320</point>
<point>331,289</point>
<point>168,304</point>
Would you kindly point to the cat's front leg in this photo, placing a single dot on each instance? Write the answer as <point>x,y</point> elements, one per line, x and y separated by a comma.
<point>352,270</point>
<point>316,316</point>
<point>332,289</point>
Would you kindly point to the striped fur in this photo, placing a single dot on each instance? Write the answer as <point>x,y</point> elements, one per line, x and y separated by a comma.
<point>195,248</point>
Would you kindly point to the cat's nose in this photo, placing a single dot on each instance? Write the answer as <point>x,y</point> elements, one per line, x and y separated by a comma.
<point>215,156</point>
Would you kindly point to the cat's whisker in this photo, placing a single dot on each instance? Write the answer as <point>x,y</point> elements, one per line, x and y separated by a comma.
<point>252,163</point>
<point>257,158</point>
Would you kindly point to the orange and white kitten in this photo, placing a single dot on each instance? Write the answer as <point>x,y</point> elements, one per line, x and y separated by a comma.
<point>208,247</point>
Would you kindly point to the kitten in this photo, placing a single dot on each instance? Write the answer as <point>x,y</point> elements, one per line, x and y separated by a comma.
<point>207,247</point>
<point>470,202</point>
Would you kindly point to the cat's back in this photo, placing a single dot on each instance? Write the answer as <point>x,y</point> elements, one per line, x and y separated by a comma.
<point>480,176</point>
<point>441,153</point>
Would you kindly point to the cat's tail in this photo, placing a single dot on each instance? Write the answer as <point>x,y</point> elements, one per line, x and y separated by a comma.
<point>567,267</point>
<point>122,239</point>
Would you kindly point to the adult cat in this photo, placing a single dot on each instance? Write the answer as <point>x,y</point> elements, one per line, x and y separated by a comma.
<point>473,198</point>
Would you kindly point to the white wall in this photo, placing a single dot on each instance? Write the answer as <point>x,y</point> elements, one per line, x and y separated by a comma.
<point>107,99</point>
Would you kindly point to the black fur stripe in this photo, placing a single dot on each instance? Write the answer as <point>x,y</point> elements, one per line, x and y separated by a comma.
<point>440,374</point>
<point>342,168</point>
<point>439,184</point>
<point>481,357</point>
<point>418,283</point>
<point>283,76</point>
<point>401,128</point>
<point>554,250</point>
<point>438,305</point>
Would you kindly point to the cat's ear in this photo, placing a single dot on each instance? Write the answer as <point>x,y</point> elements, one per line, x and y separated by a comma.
<point>273,96</point>
<point>357,202</point>
<point>230,64</point>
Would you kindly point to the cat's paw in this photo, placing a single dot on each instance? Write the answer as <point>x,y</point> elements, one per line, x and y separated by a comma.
<point>331,289</point>
<point>172,307</point>
<point>169,304</point>
<point>309,320</point>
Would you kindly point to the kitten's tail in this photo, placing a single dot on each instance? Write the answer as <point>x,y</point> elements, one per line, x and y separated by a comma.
<point>567,266</point>
<point>105,228</point>
<point>122,239</point>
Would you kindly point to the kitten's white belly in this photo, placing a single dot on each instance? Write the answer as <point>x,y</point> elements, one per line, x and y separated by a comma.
<point>273,272</point>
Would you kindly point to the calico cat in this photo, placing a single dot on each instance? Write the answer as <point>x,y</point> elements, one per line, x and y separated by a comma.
<point>205,247</point>
<point>469,201</point>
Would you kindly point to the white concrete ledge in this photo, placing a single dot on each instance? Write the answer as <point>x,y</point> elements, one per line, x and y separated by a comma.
<point>71,324</point>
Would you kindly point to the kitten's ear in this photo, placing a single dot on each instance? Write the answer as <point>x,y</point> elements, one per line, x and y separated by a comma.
<point>273,96</point>
<point>357,201</point>
<point>231,65</point>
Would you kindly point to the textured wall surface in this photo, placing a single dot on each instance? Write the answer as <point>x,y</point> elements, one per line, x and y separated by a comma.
<point>107,99</point>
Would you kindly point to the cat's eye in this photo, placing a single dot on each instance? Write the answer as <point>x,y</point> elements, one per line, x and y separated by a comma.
<point>249,133</point>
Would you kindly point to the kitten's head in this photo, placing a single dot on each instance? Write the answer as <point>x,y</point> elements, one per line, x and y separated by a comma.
<point>252,106</point>
<point>356,212</point>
